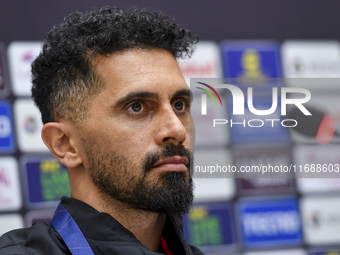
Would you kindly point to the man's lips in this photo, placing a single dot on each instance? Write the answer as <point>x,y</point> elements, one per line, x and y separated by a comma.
<point>176,163</point>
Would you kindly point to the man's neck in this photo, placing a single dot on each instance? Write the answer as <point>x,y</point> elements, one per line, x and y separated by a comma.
<point>147,227</point>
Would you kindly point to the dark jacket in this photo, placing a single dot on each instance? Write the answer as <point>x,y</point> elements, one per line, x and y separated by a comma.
<point>104,234</point>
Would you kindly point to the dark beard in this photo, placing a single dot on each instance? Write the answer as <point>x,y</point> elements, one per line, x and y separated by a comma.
<point>171,193</point>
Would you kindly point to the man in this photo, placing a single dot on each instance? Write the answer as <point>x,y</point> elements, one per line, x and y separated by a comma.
<point>116,111</point>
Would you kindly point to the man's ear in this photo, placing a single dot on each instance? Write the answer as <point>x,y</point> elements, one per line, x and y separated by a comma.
<point>62,144</point>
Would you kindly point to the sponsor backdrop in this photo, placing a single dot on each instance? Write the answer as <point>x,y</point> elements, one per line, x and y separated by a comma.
<point>234,216</point>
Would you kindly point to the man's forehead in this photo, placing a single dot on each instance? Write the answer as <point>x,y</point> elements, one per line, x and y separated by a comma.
<point>136,60</point>
<point>151,70</point>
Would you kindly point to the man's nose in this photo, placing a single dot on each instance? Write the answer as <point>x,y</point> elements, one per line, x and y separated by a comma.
<point>170,128</point>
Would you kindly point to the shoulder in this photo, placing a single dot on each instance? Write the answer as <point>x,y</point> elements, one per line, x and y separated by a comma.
<point>41,238</point>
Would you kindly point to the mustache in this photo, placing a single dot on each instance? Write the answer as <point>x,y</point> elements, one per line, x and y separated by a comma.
<point>169,150</point>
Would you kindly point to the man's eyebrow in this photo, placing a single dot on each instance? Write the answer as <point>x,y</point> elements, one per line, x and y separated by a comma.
<point>134,95</point>
<point>143,94</point>
<point>183,92</point>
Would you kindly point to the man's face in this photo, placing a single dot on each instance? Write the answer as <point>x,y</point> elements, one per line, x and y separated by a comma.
<point>137,139</point>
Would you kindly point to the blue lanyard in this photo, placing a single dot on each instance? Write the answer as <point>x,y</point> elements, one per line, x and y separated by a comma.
<point>69,231</point>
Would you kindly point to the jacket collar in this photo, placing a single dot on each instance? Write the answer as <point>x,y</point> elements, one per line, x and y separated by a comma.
<point>103,227</point>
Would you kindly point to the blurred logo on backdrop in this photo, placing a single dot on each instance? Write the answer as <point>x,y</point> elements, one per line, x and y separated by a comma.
<point>7,141</point>
<point>321,218</point>
<point>21,56</point>
<point>46,181</point>
<point>251,62</point>
<point>311,59</point>
<point>28,126</point>
<point>275,155</point>
<point>10,192</point>
<point>269,223</point>
<point>211,225</point>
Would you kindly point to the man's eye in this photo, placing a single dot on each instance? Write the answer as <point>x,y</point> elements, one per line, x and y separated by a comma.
<point>136,107</point>
<point>179,106</point>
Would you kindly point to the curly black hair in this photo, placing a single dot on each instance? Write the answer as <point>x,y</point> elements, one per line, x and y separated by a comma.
<point>63,75</point>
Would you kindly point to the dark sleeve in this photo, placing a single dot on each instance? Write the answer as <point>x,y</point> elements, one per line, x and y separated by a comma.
<point>41,238</point>
<point>195,250</point>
